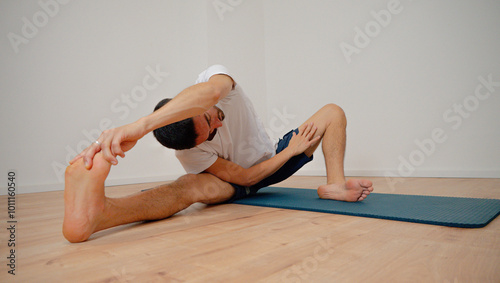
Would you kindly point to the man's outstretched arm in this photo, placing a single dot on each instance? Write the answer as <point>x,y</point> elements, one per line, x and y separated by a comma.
<point>191,102</point>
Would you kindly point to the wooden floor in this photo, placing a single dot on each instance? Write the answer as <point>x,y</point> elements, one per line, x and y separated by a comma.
<point>237,243</point>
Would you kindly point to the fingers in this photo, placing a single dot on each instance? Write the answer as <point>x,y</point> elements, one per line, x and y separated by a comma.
<point>313,141</point>
<point>307,129</point>
<point>106,141</point>
<point>117,150</point>
<point>309,132</point>
<point>75,159</point>
<point>305,139</point>
<point>107,154</point>
<point>89,153</point>
<point>110,143</point>
<point>312,131</point>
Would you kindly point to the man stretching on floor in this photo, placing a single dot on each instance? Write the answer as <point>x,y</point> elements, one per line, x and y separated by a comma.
<point>221,144</point>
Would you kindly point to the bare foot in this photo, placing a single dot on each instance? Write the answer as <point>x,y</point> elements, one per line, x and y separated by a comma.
<point>84,199</point>
<point>352,190</point>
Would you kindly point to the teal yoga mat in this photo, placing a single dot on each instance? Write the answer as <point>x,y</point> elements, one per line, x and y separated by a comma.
<point>444,211</point>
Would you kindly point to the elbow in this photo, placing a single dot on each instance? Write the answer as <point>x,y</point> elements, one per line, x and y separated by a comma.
<point>207,95</point>
<point>213,95</point>
<point>216,95</point>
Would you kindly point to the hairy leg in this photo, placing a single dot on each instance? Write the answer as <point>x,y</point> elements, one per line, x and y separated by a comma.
<point>88,210</point>
<point>331,123</point>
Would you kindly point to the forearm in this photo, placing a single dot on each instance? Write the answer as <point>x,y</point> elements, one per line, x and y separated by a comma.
<point>233,173</point>
<point>298,144</point>
<point>191,102</point>
<point>260,171</point>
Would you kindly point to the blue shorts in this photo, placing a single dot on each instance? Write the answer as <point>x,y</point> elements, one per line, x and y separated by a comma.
<point>287,170</point>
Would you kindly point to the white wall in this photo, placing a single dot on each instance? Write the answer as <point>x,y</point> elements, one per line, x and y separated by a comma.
<point>74,72</point>
<point>396,85</point>
<point>235,37</point>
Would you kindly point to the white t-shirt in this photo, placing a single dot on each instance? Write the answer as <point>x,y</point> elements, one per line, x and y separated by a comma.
<point>241,139</point>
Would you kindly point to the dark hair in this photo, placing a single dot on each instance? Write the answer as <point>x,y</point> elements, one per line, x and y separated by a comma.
<point>178,135</point>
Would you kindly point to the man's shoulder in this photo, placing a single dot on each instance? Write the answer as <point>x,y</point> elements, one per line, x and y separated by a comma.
<point>195,160</point>
<point>186,152</point>
<point>211,71</point>
<point>195,151</point>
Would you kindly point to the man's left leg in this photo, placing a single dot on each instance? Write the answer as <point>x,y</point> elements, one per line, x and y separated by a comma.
<point>331,123</point>
<point>87,209</point>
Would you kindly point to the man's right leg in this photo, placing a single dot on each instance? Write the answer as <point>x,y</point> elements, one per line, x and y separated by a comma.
<point>331,124</point>
<point>87,210</point>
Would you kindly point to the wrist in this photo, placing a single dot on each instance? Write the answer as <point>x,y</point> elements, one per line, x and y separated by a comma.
<point>288,152</point>
<point>145,125</point>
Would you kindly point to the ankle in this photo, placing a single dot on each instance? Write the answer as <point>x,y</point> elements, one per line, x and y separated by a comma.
<point>338,180</point>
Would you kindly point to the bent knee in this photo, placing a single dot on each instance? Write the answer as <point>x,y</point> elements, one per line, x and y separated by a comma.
<point>334,109</point>
<point>335,112</point>
<point>205,188</point>
<point>187,180</point>
<point>195,182</point>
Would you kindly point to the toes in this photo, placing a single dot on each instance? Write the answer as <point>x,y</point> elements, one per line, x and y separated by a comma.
<point>366,183</point>
<point>363,195</point>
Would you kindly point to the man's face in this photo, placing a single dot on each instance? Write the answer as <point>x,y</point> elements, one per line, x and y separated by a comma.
<point>207,123</point>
